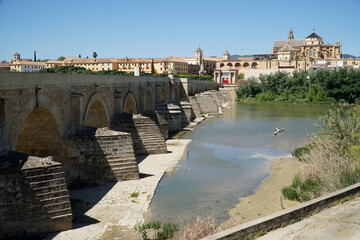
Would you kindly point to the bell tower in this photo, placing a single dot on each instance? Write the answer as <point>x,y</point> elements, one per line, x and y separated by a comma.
<point>198,55</point>
<point>291,35</point>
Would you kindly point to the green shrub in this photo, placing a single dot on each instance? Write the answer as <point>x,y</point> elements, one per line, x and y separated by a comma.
<point>162,231</point>
<point>302,191</point>
<point>300,151</point>
<point>265,96</point>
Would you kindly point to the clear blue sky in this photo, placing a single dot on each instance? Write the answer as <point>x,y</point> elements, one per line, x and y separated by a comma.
<point>157,28</point>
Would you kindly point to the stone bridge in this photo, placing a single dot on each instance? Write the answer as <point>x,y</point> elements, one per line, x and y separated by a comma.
<point>66,130</point>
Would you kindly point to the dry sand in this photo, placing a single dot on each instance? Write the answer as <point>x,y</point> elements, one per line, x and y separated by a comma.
<point>267,198</point>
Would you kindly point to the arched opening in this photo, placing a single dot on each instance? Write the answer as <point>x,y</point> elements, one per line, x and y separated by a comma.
<point>130,104</point>
<point>163,96</point>
<point>246,65</point>
<point>221,65</point>
<point>237,65</point>
<point>39,135</point>
<point>149,101</point>
<point>254,65</point>
<point>229,64</point>
<point>96,116</point>
<point>176,95</point>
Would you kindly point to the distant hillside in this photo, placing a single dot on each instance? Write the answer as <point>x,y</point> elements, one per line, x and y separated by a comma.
<point>349,56</point>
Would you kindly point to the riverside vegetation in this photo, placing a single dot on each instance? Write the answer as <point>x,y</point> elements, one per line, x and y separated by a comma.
<point>321,86</point>
<point>332,159</point>
<point>199,229</point>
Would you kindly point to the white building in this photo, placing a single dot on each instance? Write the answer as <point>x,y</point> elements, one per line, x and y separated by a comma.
<point>25,66</point>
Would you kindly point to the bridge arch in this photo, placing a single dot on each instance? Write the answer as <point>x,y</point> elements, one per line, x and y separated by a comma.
<point>39,134</point>
<point>149,98</point>
<point>246,64</point>
<point>130,104</point>
<point>221,64</point>
<point>163,96</point>
<point>96,113</point>
<point>237,65</point>
<point>254,65</point>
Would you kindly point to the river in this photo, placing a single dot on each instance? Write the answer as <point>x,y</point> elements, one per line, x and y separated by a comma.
<point>229,157</point>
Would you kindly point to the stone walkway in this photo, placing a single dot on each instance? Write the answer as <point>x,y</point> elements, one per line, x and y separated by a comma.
<point>110,210</point>
<point>338,222</point>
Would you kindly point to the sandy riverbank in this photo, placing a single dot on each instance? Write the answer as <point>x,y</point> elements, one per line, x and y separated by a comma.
<point>109,211</point>
<point>267,198</point>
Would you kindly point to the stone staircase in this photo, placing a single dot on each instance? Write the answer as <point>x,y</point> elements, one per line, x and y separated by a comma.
<point>49,187</point>
<point>149,133</point>
<point>123,164</point>
<point>145,134</point>
<point>98,154</point>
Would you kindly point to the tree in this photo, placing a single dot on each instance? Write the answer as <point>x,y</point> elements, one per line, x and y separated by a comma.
<point>152,66</point>
<point>79,55</point>
<point>61,58</point>
<point>94,54</point>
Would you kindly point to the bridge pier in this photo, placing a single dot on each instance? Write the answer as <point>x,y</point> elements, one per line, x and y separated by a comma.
<point>145,134</point>
<point>97,155</point>
<point>34,198</point>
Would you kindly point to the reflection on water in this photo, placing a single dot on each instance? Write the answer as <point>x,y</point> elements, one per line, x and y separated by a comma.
<point>229,157</point>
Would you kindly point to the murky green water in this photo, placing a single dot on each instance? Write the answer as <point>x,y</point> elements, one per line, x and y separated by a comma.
<point>229,157</point>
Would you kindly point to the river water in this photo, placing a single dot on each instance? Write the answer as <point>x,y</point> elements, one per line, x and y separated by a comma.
<point>229,157</point>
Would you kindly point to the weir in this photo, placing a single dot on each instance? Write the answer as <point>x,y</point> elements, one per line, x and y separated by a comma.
<point>91,126</point>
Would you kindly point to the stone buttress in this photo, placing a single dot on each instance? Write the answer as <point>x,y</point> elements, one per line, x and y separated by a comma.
<point>34,197</point>
<point>145,134</point>
<point>172,114</point>
<point>97,155</point>
<point>160,122</point>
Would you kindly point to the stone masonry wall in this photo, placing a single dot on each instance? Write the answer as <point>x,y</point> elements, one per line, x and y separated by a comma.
<point>97,155</point>
<point>145,134</point>
<point>195,106</point>
<point>172,114</point>
<point>187,113</point>
<point>33,196</point>
<point>207,102</point>
<point>160,122</point>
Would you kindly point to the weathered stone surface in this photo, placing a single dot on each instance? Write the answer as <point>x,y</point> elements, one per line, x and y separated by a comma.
<point>34,198</point>
<point>160,122</point>
<point>172,114</point>
<point>187,113</point>
<point>145,134</point>
<point>208,102</point>
<point>98,154</point>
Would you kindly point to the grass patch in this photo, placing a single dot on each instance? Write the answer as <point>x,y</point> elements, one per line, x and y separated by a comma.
<point>302,191</point>
<point>300,151</point>
<point>156,230</point>
<point>134,195</point>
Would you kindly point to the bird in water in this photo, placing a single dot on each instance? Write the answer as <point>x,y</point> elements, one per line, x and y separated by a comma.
<point>277,131</point>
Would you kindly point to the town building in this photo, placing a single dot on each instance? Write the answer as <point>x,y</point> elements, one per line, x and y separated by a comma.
<point>4,66</point>
<point>196,61</point>
<point>25,65</point>
<point>53,63</point>
<point>93,64</point>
